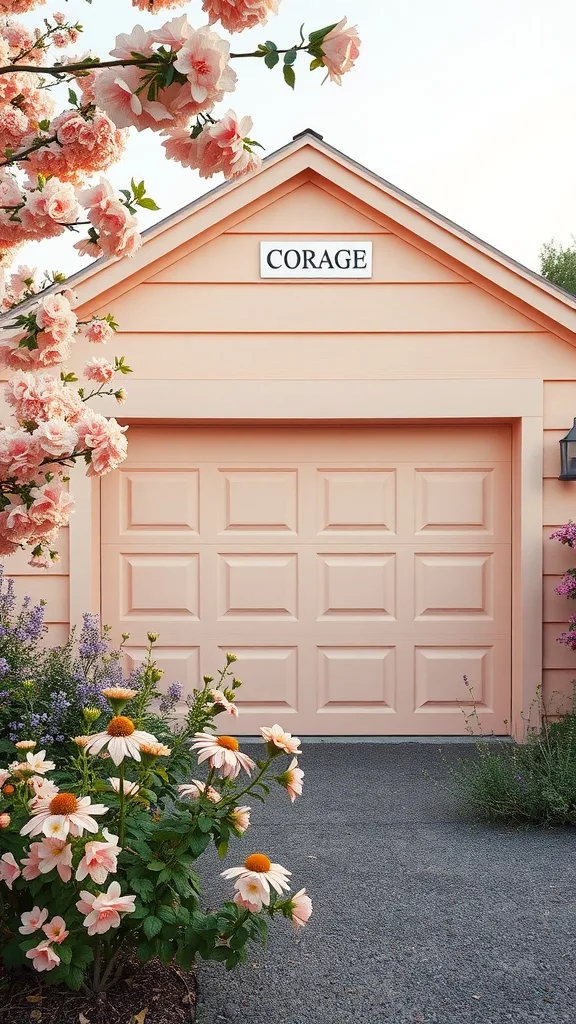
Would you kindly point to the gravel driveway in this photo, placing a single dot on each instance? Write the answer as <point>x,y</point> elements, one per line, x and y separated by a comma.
<point>420,917</point>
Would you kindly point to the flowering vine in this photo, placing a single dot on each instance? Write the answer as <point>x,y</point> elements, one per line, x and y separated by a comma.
<point>567,586</point>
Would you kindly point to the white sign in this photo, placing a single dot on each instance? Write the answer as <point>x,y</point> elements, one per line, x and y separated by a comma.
<point>315,259</point>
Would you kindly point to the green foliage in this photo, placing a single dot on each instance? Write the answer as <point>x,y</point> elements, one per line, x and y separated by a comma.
<point>532,783</point>
<point>156,828</point>
<point>558,264</point>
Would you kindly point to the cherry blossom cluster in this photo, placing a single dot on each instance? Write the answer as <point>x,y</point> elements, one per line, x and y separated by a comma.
<point>54,427</point>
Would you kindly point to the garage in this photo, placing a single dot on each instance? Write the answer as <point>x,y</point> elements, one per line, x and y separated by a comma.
<point>358,572</point>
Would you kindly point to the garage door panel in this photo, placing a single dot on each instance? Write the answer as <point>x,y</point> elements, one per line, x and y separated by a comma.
<point>356,582</point>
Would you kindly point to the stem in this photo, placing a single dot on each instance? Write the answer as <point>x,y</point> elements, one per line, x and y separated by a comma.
<point>121,821</point>
<point>234,797</point>
<point>141,62</point>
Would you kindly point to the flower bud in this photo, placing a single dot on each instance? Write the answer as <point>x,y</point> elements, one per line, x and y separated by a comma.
<point>156,674</point>
<point>91,714</point>
<point>4,820</point>
<point>28,684</point>
<point>230,658</point>
<point>152,637</point>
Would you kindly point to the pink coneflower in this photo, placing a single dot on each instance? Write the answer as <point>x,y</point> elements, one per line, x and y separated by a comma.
<point>301,908</point>
<point>55,853</point>
<point>240,818</point>
<point>222,753</point>
<point>196,789</point>
<point>100,859</point>
<point>220,700</point>
<point>284,741</point>
<point>55,930</point>
<point>122,738</point>
<point>103,909</point>
<point>62,815</point>
<point>254,880</point>
<point>291,779</point>
<point>43,957</point>
<point>25,744</point>
<point>32,920</point>
<point>9,870</point>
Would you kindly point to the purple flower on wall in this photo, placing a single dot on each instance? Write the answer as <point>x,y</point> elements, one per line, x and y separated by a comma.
<point>91,643</point>
<point>565,534</point>
<point>567,585</point>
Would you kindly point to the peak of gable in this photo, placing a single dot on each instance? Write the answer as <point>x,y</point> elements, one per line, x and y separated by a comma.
<point>307,209</point>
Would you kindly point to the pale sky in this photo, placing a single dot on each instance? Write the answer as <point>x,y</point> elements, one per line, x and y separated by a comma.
<point>468,106</point>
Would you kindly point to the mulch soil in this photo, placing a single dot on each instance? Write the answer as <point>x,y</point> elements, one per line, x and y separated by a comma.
<point>153,994</point>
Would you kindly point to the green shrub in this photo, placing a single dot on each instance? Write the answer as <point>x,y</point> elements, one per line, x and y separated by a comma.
<point>531,783</point>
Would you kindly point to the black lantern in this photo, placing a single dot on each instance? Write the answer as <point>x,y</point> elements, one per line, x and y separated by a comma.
<point>568,455</point>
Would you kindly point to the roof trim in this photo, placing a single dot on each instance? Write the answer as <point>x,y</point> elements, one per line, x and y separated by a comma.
<point>312,139</point>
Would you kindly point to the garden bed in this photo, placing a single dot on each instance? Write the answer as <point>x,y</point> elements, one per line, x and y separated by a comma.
<point>153,994</point>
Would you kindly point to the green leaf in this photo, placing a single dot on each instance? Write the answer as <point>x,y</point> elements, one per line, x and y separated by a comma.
<point>147,204</point>
<point>152,925</point>
<point>75,977</point>
<point>72,97</point>
<point>204,823</point>
<point>166,951</point>
<point>290,57</point>
<point>222,850</point>
<point>270,45</point>
<point>198,842</point>
<point>156,865</point>
<point>316,63</point>
<point>289,76</point>
<point>65,953</point>
<point>239,938</point>
<point>144,888</point>
<point>271,59</point>
<point>168,914</point>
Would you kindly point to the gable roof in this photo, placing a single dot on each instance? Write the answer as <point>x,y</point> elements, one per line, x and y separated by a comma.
<point>309,157</point>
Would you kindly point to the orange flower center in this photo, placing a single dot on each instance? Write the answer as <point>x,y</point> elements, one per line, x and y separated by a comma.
<point>120,726</point>
<point>258,862</point>
<point>227,741</point>
<point>63,803</point>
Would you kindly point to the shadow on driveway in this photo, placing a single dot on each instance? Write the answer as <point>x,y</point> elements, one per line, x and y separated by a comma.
<point>420,917</point>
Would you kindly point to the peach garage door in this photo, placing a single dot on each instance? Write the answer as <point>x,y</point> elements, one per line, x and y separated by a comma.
<point>357,572</point>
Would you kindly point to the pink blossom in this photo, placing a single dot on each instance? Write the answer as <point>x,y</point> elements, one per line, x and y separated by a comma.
<point>56,201</point>
<point>9,870</point>
<point>237,15</point>
<point>50,508</point>
<point>43,957</point>
<point>205,60</point>
<point>100,859</point>
<point>99,370</point>
<point>103,910</point>
<point>277,738</point>
<point>173,33</point>
<point>301,908</point>
<point>56,317</point>
<point>115,91</point>
<point>566,534</point>
<point>106,441</point>
<point>221,148</point>
<point>4,820</point>
<point>31,863</point>
<point>55,930</point>
<point>137,41</point>
<point>86,247</point>
<point>32,920</point>
<point>20,454</point>
<point>98,332</point>
<point>567,585</point>
<point>38,397</point>
<point>56,437</point>
<point>55,853</point>
<point>23,279</point>
<point>340,49</point>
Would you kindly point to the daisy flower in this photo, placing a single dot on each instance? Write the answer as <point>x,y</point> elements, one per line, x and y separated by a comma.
<point>240,818</point>
<point>221,701</point>
<point>291,779</point>
<point>25,744</point>
<point>196,788</point>
<point>300,908</point>
<point>130,788</point>
<point>43,787</point>
<point>37,763</point>
<point>155,749</point>
<point>254,880</point>
<point>285,741</point>
<point>62,815</point>
<point>55,930</point>
<point>122,738</point>
<point>222,753</point>
<point>118,696</point>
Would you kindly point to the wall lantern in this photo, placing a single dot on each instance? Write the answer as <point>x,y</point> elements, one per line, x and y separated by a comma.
<point>568,455</point>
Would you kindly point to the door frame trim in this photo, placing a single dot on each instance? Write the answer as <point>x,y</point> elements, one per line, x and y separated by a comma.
<point>516,401</point>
